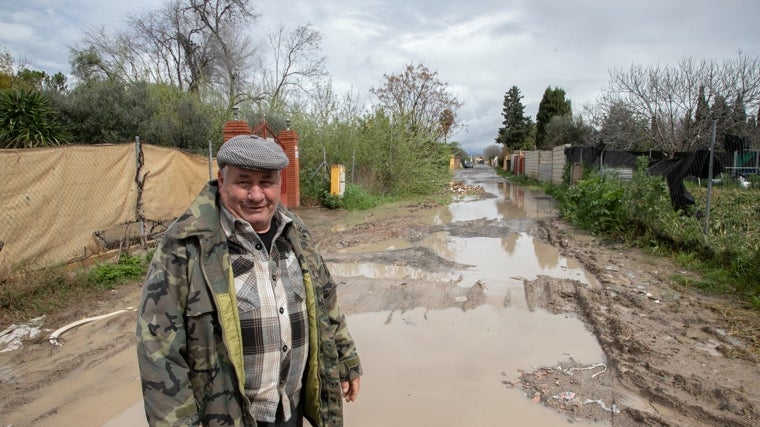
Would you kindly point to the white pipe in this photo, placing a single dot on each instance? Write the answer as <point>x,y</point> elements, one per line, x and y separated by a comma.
<point>54,336</point>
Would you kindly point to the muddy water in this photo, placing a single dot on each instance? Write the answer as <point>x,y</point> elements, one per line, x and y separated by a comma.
<point>446,367</point>
<point>441,358</point>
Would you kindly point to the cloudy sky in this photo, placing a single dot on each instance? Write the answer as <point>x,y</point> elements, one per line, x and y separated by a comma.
<point>480,48</point>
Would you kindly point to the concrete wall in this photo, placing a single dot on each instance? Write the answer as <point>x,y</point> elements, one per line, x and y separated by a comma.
<point>539,165</point>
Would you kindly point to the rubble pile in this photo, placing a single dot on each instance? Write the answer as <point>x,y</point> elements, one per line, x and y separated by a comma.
<point>460,188</point>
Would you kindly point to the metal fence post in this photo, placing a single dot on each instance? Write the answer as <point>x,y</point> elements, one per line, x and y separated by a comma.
<point>710,176</point>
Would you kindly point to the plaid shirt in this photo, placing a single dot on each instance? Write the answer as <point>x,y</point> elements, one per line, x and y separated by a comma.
<point>271,301</point>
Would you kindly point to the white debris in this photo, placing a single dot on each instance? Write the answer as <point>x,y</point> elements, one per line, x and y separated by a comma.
<point>12,337</point>
<point>614,409</point>
<point>57,333</point>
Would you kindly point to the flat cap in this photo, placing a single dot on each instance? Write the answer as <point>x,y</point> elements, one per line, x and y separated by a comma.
<point>252,152</point>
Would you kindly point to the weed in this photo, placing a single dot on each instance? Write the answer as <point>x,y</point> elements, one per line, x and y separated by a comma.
<point>331,201</point>
<point>28,294</point>
<point>356,198</point>
<point>107,275</point>
<point>639,212</point>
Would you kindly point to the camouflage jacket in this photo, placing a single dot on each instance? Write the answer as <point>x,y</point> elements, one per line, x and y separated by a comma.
<point>188,332</point>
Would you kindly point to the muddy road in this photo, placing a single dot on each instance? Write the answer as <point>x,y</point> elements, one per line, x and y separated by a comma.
<point>485,312</point>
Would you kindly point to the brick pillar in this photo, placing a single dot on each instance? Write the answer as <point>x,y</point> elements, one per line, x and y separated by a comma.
<point>235,128</point>
<point>289,141</point>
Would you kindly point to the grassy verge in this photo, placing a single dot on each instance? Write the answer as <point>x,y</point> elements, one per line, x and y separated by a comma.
<point>639,212</point>
<point>357,198</point>
<point>30,294</point>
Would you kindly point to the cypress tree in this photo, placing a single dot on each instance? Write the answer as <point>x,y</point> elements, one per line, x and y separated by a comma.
<point>516,126</point>
<point>552,104</point>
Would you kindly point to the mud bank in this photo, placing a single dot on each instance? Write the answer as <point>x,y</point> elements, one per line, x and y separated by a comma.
<point>674,356</point>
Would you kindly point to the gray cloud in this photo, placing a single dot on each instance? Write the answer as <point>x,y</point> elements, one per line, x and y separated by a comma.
<point>479,47</point>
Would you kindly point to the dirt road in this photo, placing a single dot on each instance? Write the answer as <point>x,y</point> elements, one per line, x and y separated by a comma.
<point>428,326</point>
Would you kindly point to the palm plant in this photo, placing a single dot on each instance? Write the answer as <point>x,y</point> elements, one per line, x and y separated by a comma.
<point>27,120</point>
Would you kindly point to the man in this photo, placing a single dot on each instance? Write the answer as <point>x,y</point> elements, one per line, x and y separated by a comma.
<point>238,323</point>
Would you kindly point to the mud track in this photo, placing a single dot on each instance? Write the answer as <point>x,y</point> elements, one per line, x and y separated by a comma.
<point>674,357</point>
<point>677,357</point>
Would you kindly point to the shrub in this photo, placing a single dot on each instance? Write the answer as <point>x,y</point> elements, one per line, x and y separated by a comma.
<point>107,275</point>
<point>313,189</point>
<point>596,204</point>
<point>639,212</point>
<point>357,198</point>
<point>27,120</point>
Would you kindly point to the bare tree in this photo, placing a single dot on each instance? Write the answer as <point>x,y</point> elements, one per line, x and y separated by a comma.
<point>297,68</point>
<point>222,23</point>
<point>174,45</point>
<point>667,98</point>
<point>418,97</point>
<point>495,150</point>
<point>324,105</point>
<point>106,55</point>
<point>198,45</point>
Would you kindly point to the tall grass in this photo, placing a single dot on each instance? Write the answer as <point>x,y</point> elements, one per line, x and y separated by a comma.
<point>385,157</point>
<point>639,212</point>
<point>30,294</point>
<point>355,197</point>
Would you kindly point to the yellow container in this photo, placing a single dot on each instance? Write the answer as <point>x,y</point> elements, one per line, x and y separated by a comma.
<point>337,180</point>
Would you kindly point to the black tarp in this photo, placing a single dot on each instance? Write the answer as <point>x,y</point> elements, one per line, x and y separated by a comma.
<point>682,165</point>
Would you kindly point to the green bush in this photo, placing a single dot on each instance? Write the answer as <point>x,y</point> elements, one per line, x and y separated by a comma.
<point>107,275</point>
<point>597,204</point>
<point>316,189</point>
<point>331,201</point>
<point>27,120</point>
<point>639,212</point>
<point>313,189</point>
<point>383,157</point>
<point>357,198</point>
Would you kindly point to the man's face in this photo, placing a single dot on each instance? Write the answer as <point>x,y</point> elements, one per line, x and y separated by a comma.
<point>251,195</point>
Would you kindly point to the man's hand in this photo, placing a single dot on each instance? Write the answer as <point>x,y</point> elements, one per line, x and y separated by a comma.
<point>350,389</point>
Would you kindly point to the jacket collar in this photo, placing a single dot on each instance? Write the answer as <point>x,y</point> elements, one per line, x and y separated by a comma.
<point>202,218</point>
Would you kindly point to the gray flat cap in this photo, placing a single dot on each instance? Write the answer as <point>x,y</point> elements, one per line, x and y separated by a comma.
<point>252,152</point>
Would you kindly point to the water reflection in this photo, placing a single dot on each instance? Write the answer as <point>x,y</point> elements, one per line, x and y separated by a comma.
<point>511,202</point>
<point>390,271</point>
<point>516,255</point>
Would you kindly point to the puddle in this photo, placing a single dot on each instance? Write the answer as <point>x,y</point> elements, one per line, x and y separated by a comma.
<point>445,366</point>
<point>386,271</point>
<point>500,261</point>
<point>512,202</point>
